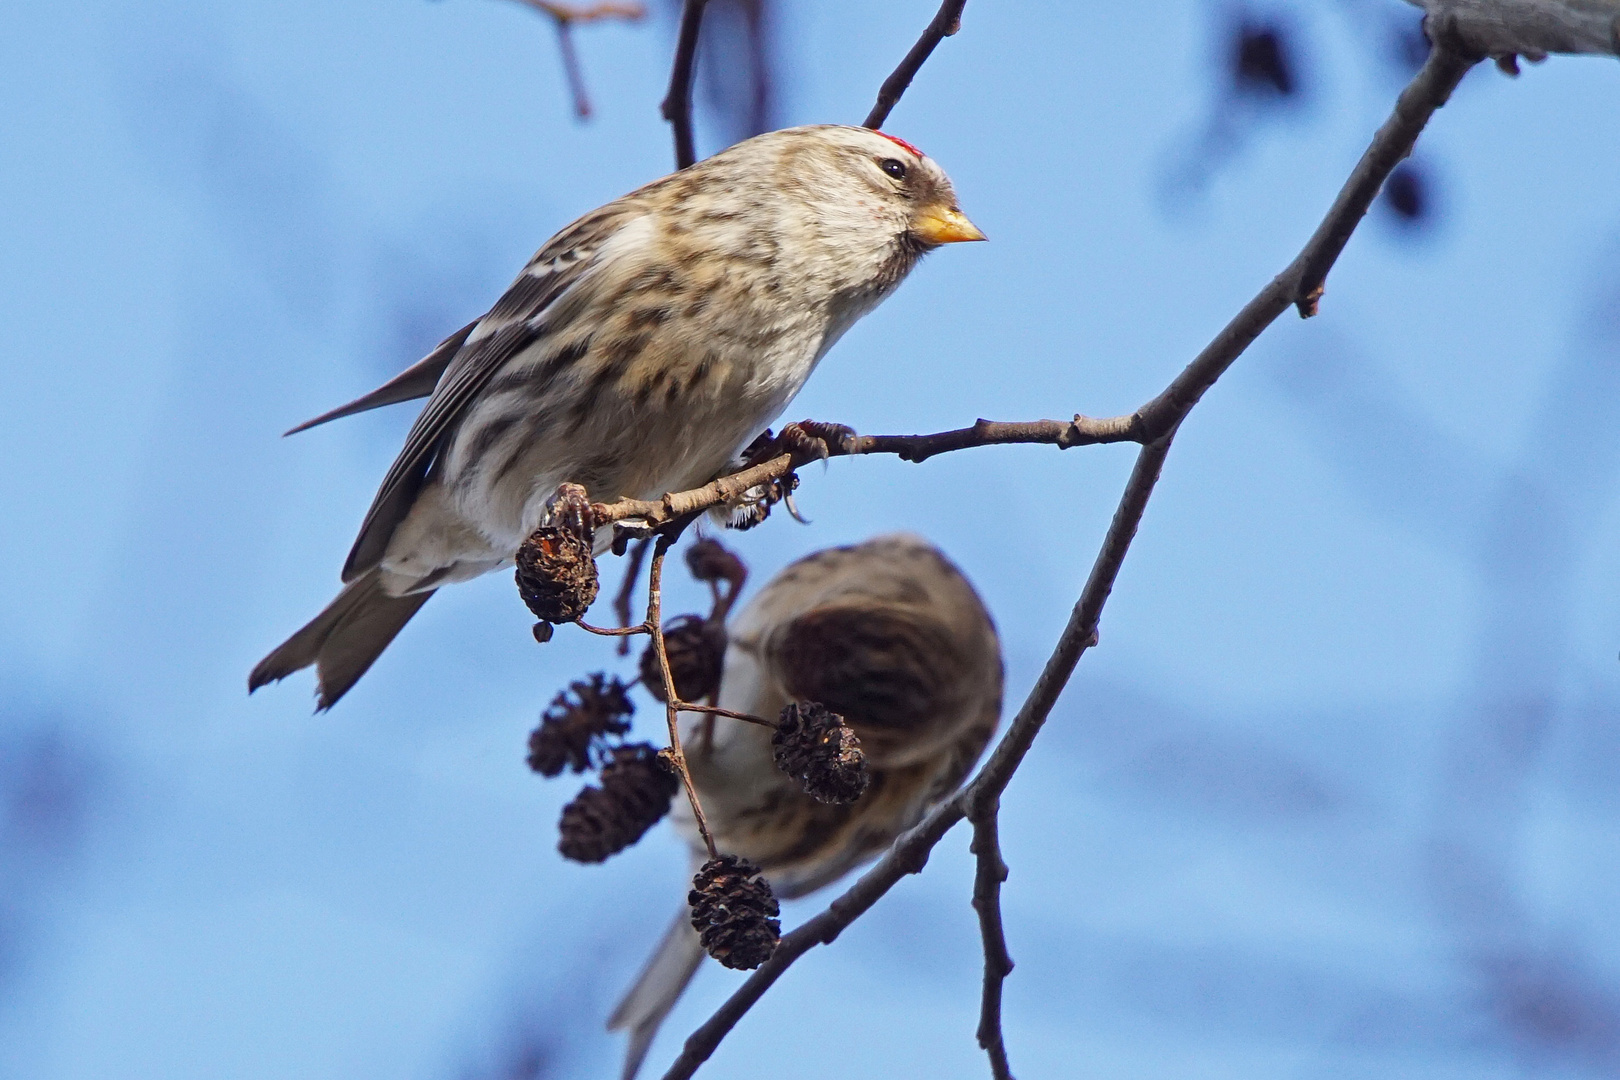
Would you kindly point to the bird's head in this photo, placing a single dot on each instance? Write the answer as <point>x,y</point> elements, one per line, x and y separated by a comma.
<point>861,178</point>
<point>859,206</point>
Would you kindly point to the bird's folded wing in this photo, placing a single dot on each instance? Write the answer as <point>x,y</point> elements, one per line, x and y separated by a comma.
<point>512,325</point>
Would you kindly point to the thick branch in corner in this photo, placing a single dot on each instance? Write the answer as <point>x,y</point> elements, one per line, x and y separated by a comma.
<point>677,107</point>
<point>946,22</point>
<point>1532,28</point>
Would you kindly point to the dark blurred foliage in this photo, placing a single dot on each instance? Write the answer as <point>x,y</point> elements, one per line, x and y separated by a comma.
<point>46,787</point>
<point>529,1055</point>
<point>1258,73</point>
<point>1406,195</point>
<point>1262,70</point>
<point>43,789</point>
<point>1261,60</point>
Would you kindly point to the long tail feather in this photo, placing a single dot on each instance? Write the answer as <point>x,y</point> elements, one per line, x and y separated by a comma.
<point>656,990</point>
<point>416,381</point>
<point>343,640</point>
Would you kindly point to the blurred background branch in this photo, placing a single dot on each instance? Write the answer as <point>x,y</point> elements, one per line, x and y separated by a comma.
<point>565,17</point>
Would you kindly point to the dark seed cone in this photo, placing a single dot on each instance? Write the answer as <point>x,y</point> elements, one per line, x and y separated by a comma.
<point>575,723</point>
<point>816,747</point>
<point>734,912</point>
<point>697,649</point>
<point>556,575</point>
<point>635,793</point>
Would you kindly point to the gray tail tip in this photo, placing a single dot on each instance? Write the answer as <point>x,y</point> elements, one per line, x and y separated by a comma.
<point>264,676</point>
<point>267,671</point>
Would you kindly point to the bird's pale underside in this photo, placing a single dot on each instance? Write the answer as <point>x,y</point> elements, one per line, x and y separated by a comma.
<point>890,635</point>
<point>638,351</point>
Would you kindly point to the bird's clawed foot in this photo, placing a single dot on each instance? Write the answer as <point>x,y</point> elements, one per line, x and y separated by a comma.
<point>570,507</point>
<point>814,440</point>
<point>807,441</point>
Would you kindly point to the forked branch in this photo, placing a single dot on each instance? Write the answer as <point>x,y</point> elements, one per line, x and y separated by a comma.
<point>1154,425</point>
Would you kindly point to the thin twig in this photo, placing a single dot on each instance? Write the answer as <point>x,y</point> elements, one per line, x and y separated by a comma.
<point>573,13</point>
<point>947,21</point>
<point>677,756</point>
<point>1427,92</point>
<point>613,631</point>
<point>571,69</point>
<point>715,710</point>
<point>565,16</point>
<point>627,588</point>
<point>677,107</point>
<point>991,871</point>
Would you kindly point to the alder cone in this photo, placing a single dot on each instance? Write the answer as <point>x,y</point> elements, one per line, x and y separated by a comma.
<point>734,912</point>
<point>814,746</point>
<point>635,794</point>
<point>696,650</point>
<point>574,725</point>
<point>556,574</point>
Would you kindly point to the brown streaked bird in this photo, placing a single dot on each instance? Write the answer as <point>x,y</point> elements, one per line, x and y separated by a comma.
<point>890,635</point>
<point>637,353</point>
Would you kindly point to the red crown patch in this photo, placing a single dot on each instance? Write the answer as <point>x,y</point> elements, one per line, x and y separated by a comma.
<point>900,142</point>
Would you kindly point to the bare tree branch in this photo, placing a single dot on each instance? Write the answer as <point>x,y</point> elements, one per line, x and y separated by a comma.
<point>998,962</point>
<point>1301,284</point>
<point>655,627</point>
<point>1154,424</point>
<point>946,22</point>
<point>910,852</point>
<point>677,107</point>
<point>1428,91</point>
<point>572,70</point>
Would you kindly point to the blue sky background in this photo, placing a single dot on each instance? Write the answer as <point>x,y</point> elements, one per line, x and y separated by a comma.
<point>1337,797</point>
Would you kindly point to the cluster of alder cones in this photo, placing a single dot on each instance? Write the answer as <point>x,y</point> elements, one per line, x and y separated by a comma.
<point>585,728</point>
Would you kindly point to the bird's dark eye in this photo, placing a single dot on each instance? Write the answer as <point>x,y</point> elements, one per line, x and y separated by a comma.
<point>896,169</point>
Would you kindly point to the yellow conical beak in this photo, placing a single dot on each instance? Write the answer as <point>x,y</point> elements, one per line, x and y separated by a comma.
<point>945,225</point>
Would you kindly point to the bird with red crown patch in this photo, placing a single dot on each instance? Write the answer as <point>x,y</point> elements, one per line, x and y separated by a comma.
<point>637,353</point>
